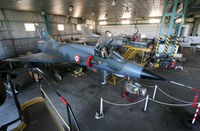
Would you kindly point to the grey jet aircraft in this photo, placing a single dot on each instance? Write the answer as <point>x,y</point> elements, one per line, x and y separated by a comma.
<point>92,57</point>
<point>87,37</point>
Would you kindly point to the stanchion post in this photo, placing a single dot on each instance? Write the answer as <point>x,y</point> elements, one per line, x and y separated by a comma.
<point>100,114</point>
<point>146,103</point>
<point>154,93</point>
<point>101,106</point>
<point>195,115</point>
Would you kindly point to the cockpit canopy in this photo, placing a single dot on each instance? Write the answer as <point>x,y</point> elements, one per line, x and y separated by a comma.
<point>116,56</point>
<point>104,50</point>
<point>104,42</point>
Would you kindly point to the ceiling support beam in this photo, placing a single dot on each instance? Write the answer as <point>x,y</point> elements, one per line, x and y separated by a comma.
<point>47,23</point>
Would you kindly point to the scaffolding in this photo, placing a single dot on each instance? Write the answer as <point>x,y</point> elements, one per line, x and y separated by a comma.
<point>170,37</point>
<point>129,52</point>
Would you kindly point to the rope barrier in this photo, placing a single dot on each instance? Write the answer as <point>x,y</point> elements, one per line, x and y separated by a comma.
<point>115,104</point>
<point>101,114</point>
<point>174,97</point>
<point>172,82</point>
<point>179,84</point>
<point>168,104</point>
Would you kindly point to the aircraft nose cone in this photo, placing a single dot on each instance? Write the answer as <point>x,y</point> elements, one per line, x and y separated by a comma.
<point>146,74</point>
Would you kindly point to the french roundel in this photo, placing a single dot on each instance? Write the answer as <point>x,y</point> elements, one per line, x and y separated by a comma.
<point>77,58</point>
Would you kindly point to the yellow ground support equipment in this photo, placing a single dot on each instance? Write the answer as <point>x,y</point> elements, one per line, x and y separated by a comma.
<point>129,52</point>
<point>114,80</point>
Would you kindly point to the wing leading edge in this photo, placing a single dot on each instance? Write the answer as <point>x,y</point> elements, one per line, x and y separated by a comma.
<point>38,57</point>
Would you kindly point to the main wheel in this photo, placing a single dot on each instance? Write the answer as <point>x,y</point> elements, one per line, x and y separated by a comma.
<point>2,92</point>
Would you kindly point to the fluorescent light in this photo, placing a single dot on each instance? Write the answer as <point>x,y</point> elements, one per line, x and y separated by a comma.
<point>155,13</point>
<point>125,21</point>
<point>29,26</point>
<point>102,22</point>
<point>178,20</point>
<point>154,21</point>
<point>126,15</point>
<point>61,27</point>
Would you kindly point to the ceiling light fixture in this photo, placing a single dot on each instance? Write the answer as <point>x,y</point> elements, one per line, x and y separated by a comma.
<point>68,15</point>
<point>154,21</point>
<point>127,10</point>
<point>125,22</point>
<point>71,7</point>
<point>43,12</point>
<point>18,1</point>
<point>102,23</point>
<point>106,15</point>
<point>92,13</point>
<point>113,2</point>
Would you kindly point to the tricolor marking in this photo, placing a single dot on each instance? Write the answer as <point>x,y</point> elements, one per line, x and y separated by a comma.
<point>77,58</point>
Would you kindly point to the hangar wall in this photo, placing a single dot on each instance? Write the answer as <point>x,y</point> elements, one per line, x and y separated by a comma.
<point>198,30</point>
<point>14,40</point>
<point>150,30</point>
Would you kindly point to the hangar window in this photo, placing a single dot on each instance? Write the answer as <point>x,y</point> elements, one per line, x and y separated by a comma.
<point>102,23</point>
<point>29,26</point>
<point>61,27</point>
<point>78,27</point>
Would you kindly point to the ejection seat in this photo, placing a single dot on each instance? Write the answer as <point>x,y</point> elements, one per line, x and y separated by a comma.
<point>103,48</point>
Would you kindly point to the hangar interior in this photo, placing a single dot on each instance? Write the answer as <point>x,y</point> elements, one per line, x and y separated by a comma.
<point>96,65</point>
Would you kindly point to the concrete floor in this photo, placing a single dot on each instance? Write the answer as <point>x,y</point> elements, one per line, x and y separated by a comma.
<point>84,93</point>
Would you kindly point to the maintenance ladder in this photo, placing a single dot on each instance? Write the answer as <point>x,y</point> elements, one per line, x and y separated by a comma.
<point>169,38</point>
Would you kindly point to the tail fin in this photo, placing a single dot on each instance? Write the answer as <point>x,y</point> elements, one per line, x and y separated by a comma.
<point>42,33</point>
<point>86,31</point>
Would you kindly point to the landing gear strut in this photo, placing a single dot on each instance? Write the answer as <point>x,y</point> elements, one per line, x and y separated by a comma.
<point>105,74</point>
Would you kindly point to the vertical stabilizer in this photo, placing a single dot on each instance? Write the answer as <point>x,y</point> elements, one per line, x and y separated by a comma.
<point>86,31</point>
<point>42,33</point>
